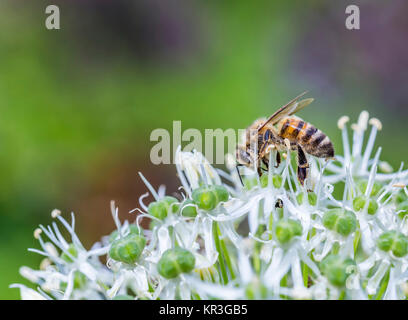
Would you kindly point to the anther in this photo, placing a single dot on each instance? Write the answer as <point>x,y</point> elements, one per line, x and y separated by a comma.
<point>342,122</point>
<point>45,263</point>
<point>55,213</point>
<point>376,123</point>
<point>399,185</point>
<point>37,233</point>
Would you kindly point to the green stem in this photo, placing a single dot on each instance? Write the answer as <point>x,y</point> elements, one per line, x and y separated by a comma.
<point>356,241</point>
<point>336,248</point>
<point>224,274</point>
<point>284,283</point>
<point>342,295</point>
<point>195,296</point>
<point>257,262</point>
<point>305,272</point>
<point>270,226</point>
<point>384,285</point>
<point>212,277</point>
<point>227,257</point>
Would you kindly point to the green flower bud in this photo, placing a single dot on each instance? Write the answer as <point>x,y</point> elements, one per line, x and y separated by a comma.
<point>205,198</point>
<point>400,246</point>
<point>79,281</point>
<point>158,209</point>
<point>188,209</point>
<point>393,241</point>
<point>127,249</point>
<point>221,193</point>
<point>172,203</point>
<point>343,222</point>
<point>72,250</point>
<point>362,186</point>
<point>336,269</point>
<point>360,201</point>
<point>175,261</point>
<point>311,197</point>
<point>287,229</point>
<point>330,217</point>
<point>402,206</point>
<point>162,207</point>
<point>208,197</point>
<point>277,181</point>
<point>385,240</point>
<point>372,207</point>
<point>264,180</point>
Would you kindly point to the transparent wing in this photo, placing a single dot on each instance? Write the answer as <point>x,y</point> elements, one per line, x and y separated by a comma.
<point>288,109</point>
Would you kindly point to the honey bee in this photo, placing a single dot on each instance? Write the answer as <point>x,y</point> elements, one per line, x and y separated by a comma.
<point>280,131</point>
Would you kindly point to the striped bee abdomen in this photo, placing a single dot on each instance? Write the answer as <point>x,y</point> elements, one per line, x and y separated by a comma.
<point>313,141</point>
<point>291,128</point>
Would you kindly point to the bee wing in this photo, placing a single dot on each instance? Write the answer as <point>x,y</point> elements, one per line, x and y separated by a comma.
<point>300,105</point>
<point>288,109</point>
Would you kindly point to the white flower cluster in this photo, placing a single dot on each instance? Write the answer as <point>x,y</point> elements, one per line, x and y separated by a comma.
<point>341,236</point>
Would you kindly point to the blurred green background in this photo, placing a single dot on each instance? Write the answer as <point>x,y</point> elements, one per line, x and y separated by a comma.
<point>77,105</point>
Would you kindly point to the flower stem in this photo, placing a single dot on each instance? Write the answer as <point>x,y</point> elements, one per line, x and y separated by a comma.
<point>227,258</point>
<point>305,272</point>
<point>384,285</point>
<point>356,241</point>
<point>224,274</point>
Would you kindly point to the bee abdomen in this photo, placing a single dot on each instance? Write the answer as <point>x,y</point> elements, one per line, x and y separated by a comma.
<point>315,142</point>
<point>291,128</point>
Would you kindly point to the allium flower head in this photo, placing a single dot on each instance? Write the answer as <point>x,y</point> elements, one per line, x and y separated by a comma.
<point>341,236</point>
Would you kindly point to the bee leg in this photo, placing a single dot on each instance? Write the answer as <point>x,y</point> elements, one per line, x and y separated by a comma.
<point>266,163</point>
<point>265,141</point>
<point>278,159</point>
<point>302,175</point>
<point>302,165</point>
